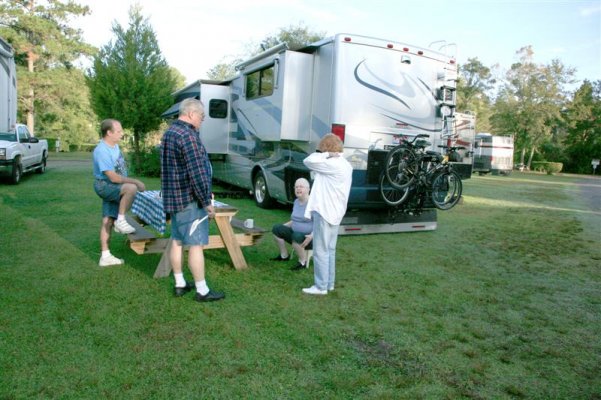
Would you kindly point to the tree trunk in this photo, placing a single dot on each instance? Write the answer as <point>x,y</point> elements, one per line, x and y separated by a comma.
<point>31,95</point>
<point>137,151</point>
<point>531,155</point>
<point>522,155</point>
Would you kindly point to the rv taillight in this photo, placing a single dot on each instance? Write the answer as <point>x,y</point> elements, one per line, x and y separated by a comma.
<point>339,130</point>
<point>347,39</point>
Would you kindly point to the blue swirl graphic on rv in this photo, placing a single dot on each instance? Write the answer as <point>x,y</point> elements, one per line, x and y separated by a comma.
<point>375,88</point>
<point>416,104</point>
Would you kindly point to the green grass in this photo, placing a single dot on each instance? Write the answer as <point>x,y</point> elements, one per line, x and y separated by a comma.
<point>502,301</point>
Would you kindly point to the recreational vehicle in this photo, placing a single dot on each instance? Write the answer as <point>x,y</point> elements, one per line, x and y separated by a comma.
<point>8,88</point>
<point>372,93</point>
<point>493,154</point>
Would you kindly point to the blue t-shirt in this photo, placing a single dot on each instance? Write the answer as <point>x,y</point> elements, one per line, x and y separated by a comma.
<point>299,222</point>
<point>107,158</point>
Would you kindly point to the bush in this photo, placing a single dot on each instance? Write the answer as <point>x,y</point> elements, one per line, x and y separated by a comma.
<point>549,167</point>
<point>150,163</point>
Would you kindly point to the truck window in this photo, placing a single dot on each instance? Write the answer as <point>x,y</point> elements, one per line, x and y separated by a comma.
<point>217,108</point>
<point>260,83</point>
<point>23,136</point>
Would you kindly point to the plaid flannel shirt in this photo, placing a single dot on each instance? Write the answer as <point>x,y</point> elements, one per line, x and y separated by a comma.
<point>185,168</point>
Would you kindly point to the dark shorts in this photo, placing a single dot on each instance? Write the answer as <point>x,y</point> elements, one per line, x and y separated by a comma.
<point>285,232</point>
<point>110,193</point>
<point>189,226</point>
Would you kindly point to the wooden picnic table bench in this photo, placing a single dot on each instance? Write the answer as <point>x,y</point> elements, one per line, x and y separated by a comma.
<point>144,241</point>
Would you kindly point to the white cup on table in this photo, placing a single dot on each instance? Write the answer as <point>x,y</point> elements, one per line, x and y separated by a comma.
<point>249,223</point>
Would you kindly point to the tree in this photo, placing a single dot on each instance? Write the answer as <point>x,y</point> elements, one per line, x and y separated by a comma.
<point>130,79</point>
<point>296,37</point>
<point>583,114</point>
<point>530,101</point>
<point>45,51</point>
<point>473,92</point>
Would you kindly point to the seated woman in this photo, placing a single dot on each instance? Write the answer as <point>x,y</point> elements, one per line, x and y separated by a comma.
<point>297,231</point>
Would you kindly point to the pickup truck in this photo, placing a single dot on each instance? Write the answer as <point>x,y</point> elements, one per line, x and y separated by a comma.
<point>21,152</point>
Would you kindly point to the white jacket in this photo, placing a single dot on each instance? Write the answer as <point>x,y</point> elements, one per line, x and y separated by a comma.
<point>331,186</point>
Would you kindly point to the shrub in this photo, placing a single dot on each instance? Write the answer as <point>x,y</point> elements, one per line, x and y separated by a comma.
<point>549,167</point>
<point>150,163</point>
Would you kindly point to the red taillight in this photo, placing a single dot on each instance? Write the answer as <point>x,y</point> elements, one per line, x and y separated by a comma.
<point>339,130</point>
<point>405,48</point>
<point>347,39</point>
<point>452,62</point>
<point>389,46</point>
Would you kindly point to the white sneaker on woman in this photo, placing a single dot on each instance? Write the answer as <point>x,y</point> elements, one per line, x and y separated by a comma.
<point>314,290</point>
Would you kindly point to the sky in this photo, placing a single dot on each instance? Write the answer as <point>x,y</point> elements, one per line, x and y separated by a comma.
<point>195,35</point>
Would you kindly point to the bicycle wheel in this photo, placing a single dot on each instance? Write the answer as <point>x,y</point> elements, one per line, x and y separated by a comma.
<point>390,195</point>
<point>446,190</point>
<point>400,167</point>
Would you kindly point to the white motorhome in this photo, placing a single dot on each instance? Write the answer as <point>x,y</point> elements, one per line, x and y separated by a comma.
<point>260,125</point>
<point>465,136</point>
<point>8,88</point>
<point>493,154</point>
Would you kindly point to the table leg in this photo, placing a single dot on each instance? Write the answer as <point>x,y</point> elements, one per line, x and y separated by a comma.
<point>230,242</point>
<point>164,268</point>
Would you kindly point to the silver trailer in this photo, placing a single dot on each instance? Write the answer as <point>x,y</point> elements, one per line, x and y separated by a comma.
<point>370,92</point>
<point>493,154</point>
<point>8,88</point>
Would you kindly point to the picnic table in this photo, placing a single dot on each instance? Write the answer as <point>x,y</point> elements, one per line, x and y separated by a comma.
<point>148,208</point>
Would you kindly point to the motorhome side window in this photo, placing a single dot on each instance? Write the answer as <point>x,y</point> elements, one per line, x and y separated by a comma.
<point>217,108</point>
<point>259,83</point>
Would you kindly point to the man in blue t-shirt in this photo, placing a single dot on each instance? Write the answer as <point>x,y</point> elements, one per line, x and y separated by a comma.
<point>116,190</point>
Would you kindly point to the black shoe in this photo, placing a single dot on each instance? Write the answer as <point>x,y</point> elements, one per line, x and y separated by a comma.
<point>180,291</point>
<point>211,296</point>
<point>299,266</point>
<point>280,258</point>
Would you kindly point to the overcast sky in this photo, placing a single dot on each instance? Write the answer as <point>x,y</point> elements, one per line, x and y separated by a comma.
<point>194,35</point>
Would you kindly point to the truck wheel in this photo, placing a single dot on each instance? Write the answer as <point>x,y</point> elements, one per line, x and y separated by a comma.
<point>17,171</point>
<point>261,193</point>
<point>42,168</point>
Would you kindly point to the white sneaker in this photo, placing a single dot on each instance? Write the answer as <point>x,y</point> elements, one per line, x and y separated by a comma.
<point>110,260</point>
<point>123,227</point>
<point>331,289</point>
<point>314,290</point>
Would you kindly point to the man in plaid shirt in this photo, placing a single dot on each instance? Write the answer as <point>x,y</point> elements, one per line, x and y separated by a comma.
<point>186,189</point>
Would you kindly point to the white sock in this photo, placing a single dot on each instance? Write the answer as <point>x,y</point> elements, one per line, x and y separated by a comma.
<point>121,217</point>
<point>284,256</point>
<point>105,253</point>
<point>202,288</point>
<point>179,280</point>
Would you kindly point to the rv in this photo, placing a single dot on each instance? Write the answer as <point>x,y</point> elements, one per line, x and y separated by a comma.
<point>465,136</point>
<point>372,93</point>
<point>493,154</point>
<point>8,88</point>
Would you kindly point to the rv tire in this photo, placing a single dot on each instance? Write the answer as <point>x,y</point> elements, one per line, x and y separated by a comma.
<point>261,192</point>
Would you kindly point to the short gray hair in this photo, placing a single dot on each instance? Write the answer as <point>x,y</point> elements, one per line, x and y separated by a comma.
<point>303,182</point>
<point>190,105</point>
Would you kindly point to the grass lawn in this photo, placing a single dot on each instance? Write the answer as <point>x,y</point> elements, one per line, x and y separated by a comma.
<point>502,301</point>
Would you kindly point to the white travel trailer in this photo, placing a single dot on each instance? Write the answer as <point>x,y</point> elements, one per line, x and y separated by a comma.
<point>260,125</point>
<point>8,88</point>
<point>465,136</point>
<point>493,154</point>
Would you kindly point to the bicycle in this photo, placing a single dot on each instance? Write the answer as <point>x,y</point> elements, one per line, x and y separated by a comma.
<point>428,175</point>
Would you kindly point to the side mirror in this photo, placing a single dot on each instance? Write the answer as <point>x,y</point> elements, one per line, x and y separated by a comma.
<point>33,140</point>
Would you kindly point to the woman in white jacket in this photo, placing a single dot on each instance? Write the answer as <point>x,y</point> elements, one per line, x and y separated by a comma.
<point>327,205</point>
